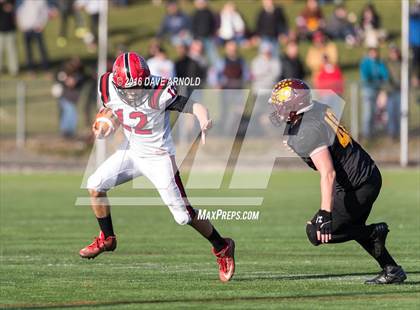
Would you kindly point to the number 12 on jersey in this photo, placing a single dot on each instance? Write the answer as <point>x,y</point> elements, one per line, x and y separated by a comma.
<point>138,128</point>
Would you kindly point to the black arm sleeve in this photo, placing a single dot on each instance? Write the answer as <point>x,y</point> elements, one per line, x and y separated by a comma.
<point>181,104</point>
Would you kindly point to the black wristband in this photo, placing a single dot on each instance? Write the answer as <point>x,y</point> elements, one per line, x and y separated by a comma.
<point>325,214</point>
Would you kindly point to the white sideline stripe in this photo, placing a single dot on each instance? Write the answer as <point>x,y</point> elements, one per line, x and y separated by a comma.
<point>195,201</point>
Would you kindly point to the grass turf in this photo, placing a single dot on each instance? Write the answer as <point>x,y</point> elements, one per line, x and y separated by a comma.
<point>159,264</point>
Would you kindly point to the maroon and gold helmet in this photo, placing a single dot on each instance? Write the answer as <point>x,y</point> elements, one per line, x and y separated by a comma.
<point>290,97</point>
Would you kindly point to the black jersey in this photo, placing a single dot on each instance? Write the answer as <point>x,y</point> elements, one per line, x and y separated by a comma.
<point>319,128</point>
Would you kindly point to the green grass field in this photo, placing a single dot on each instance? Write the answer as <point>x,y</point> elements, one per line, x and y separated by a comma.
<point>160,265</point>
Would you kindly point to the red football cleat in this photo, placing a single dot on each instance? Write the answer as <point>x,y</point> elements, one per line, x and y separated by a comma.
<point>226,260</point>
<point>99,245</point>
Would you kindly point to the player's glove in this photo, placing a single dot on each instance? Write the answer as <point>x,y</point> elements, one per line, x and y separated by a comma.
<point>323,223</point>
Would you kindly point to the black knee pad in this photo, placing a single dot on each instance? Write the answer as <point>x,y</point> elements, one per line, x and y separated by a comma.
<point>311,233</point>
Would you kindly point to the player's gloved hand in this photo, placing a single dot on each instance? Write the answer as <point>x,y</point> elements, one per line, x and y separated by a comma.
<point>323,223</point>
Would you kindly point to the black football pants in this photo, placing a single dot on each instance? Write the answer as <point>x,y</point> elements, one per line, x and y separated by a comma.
<point>350,212</point>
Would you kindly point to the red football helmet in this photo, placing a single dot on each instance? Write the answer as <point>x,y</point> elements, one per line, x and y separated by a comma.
<point>290,97</point>
<point>130,72</point>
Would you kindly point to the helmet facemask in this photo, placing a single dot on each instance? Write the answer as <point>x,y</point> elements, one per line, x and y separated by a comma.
<point>277,117</point>
<point>129,72</point>
<point>133,96</point>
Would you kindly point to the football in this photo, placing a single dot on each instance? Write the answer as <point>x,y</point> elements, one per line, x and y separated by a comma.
<point>105,123</point>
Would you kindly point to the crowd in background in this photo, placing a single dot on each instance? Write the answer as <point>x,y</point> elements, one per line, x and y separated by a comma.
<point>209,45</point>
<point>278,39</point>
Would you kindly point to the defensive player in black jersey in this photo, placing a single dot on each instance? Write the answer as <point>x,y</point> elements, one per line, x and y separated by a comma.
<point>350,179</point>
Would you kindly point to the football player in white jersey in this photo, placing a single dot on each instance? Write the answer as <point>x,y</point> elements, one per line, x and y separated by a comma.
<point>142,104</point>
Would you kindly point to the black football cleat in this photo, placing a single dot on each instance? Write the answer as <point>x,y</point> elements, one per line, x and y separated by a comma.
<point>380,232</point>
<point>389,275</point>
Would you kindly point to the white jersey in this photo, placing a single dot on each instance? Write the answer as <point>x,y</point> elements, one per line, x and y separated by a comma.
<point>146,127</point>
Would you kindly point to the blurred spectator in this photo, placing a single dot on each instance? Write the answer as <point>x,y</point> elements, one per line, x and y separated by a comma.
<point>185,66</point>
<point>291,65</point>
<point>340,27</point>
<point>329,82</point>
<point>8,36</point>
<point>175,24</point>
<point>232,25</point>
<point>190,64</point>
<point>89,101</point>
<point>67,89</point>
<point>32,17</point>
<point>232,75</point>
<point>394,93</point>
<point>370,24</point>
<point>67,9</point>
<point>374,75</point>
<point>90,83</point>
<point>232,69</point>
<point>271,25</point>
<point>204,28</point>
<point>160,65</point>
<point>92,8</point>
<point>329,77</point>
<point>153,48</point>
<point>196,53</point>
<point>370,17</point>
<point>414,38</point>
<point>310,20</point>
<point>318,50</point>
<point>265,69</point>
<point>121,3</point>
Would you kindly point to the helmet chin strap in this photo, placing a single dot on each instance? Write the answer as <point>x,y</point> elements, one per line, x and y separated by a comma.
<point>305,109</point>
<point>294,116</point>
